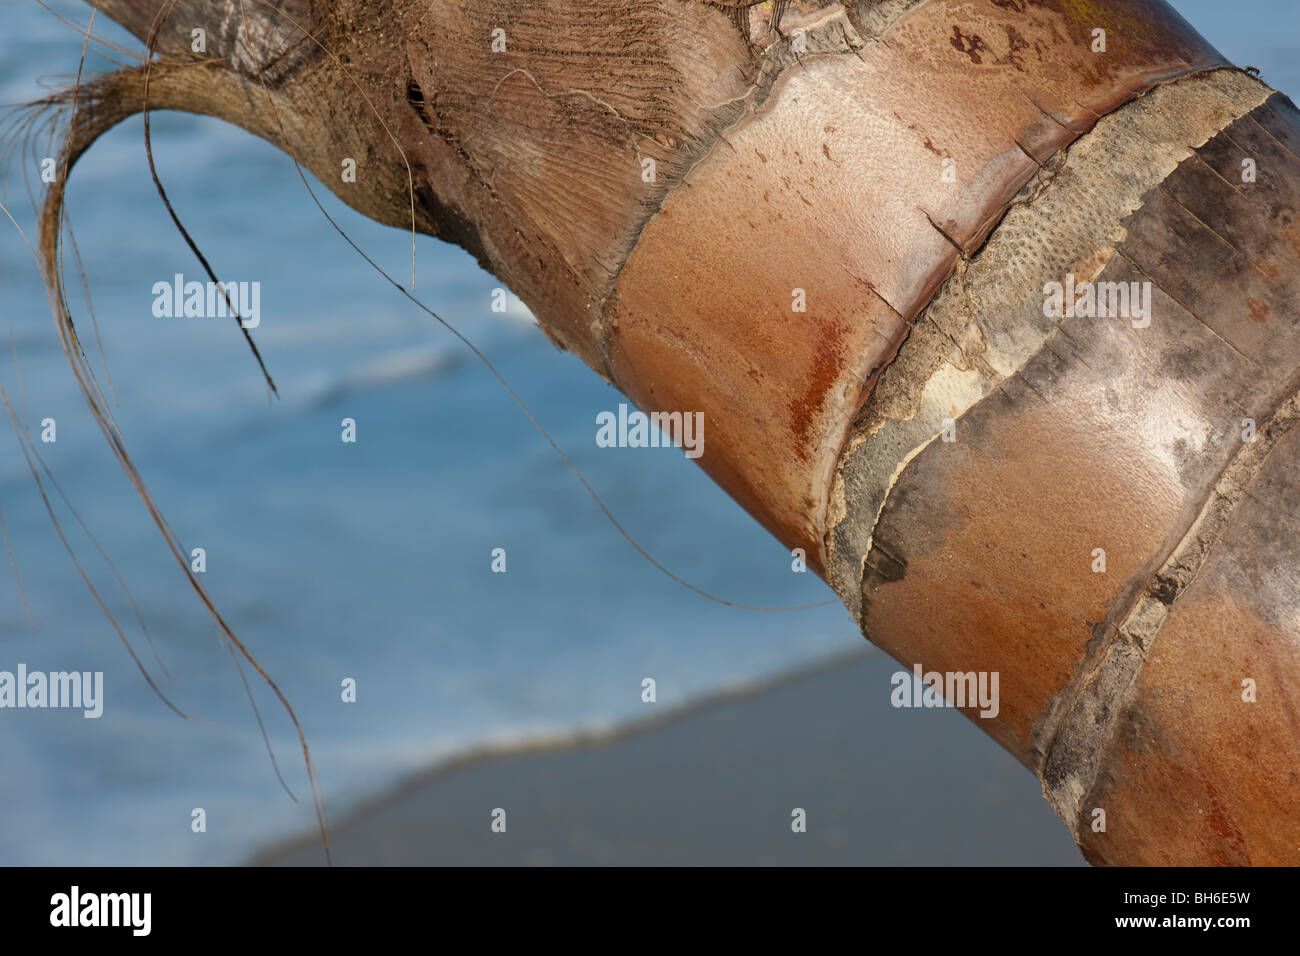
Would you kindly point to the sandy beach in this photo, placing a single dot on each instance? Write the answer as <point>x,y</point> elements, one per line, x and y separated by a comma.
<point>716,783</point>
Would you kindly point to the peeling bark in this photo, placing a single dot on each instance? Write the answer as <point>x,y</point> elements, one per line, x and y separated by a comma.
<point>659,180</point>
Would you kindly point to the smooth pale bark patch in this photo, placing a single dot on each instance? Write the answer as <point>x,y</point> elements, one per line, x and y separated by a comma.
<point>988,319</point>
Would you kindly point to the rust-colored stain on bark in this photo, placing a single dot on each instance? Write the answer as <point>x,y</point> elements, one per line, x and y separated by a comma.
<point>843,171</point>
<point>827,368</point>
<point>1227,847</point>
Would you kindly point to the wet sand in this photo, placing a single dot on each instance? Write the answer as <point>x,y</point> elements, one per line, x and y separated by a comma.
<point>716,783</point>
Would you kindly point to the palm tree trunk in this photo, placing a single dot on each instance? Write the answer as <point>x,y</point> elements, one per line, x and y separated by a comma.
<point>834,228</point>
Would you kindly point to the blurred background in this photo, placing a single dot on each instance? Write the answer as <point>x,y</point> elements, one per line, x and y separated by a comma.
<point>372,561</point>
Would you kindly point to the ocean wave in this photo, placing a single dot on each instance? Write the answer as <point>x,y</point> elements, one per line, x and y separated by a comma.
<point>403,365</point>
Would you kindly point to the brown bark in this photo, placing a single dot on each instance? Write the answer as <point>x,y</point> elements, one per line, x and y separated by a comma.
<point>805,146</point>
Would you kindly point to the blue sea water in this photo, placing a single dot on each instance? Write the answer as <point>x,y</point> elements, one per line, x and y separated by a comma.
<point>368,561</point>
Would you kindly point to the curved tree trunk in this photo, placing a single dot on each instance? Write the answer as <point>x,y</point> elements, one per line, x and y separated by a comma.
<point>833,227</point>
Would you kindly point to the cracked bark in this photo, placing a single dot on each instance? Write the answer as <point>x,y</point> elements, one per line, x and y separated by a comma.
<point>825,168</point>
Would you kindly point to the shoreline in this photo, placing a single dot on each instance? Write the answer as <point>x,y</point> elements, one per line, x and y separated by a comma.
<point>716,781</point>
